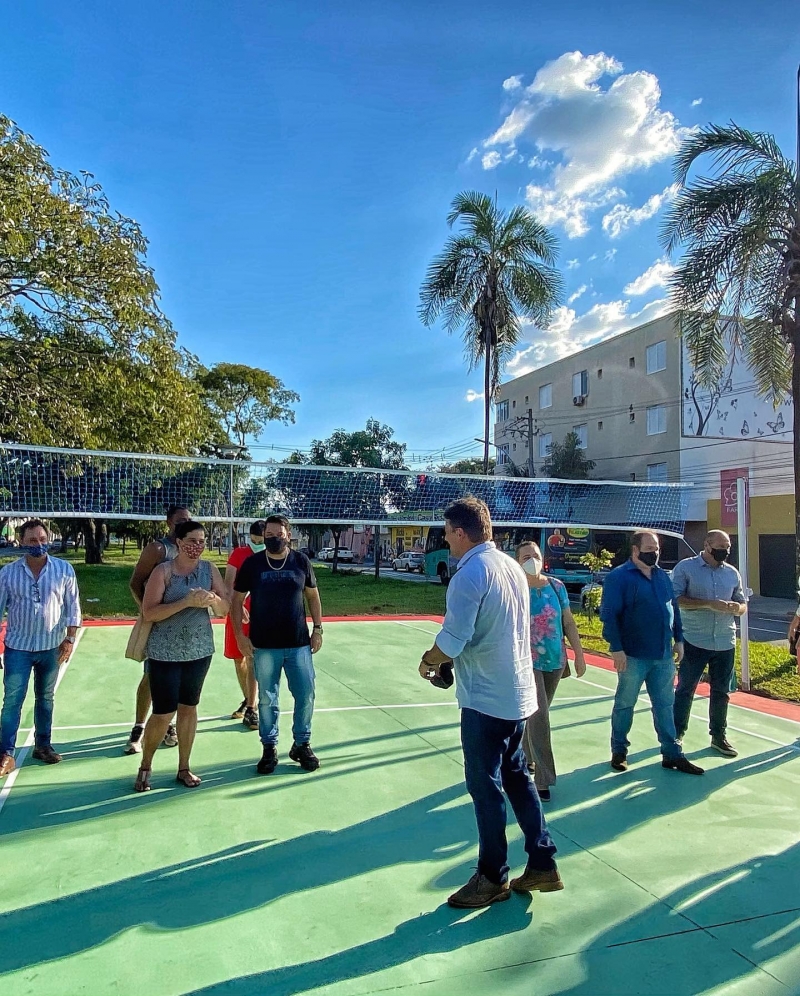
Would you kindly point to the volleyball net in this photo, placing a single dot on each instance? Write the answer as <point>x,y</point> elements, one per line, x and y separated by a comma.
<point>55,483</point>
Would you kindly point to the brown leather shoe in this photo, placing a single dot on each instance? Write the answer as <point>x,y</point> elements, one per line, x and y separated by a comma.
<point>536,880</point>
<point>7,764</point>
<point>479,891</point>
<point>46,754</point>
<point>619,762</point>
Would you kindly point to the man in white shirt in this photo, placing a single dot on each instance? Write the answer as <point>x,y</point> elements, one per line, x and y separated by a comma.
<point>486,635</point>
<point>40,593</point>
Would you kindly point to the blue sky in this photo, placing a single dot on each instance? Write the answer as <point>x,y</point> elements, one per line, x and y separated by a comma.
<point>292,165</point>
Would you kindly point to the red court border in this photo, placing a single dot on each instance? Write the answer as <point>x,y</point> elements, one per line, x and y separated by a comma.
<point>756,703</point>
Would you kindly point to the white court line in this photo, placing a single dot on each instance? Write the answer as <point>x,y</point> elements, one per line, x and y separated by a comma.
<point>20,758</point>
<point>428,632</point>
<point>704,719</point>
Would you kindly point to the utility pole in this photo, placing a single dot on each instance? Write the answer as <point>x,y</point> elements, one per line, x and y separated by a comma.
<point>526,428</point>
<point>530,442</point>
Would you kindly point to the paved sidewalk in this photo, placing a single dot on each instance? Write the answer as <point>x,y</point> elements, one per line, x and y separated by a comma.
<point>772,608</point>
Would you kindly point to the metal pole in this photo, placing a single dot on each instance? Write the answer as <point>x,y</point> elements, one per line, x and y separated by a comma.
<point>376,544</point>
<point>741,527</point>
<point>530,442</point>
<point>230,509</point>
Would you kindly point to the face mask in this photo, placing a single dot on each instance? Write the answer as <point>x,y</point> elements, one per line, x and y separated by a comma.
<point>35,551</point>
<point>256,547</point>
<point>533,566</point>
<point>649,559</point>
<point>720,555</point>
<point>275,544</point>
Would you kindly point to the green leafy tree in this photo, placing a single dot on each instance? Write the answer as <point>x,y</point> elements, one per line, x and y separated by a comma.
<point>738,277</point>
<point>498,270</point>
<point>244,399</point>
<point>567,461</point>
<point>471,465</point>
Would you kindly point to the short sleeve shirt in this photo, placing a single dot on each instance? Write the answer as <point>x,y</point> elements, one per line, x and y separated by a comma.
<point>547,629</point>
<point>277,610</point>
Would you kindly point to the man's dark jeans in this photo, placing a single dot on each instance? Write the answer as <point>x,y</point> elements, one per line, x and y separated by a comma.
<point>720,668</point>
<point>494,761</point>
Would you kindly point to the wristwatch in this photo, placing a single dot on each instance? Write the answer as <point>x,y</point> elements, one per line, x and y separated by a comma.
<point>69,639</point>
<point>318,629</point>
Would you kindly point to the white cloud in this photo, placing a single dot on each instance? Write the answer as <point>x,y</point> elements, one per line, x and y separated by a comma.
<point>609,255</point>
<point>698,102</point>
<point>472,155</point>
<point>539,162</point>
<point>491,159</point>
<point>512,83</point>
<point>573,264</point>
<point>471,396</point>
<point>592,257</point>
<point>569,332</point>
<point>578,293</point>
<point>621,216</point>
<point>601,135</point>
<point>656,275</point>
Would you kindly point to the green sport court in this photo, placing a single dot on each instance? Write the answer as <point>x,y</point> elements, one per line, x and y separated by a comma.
<point>336,882</point>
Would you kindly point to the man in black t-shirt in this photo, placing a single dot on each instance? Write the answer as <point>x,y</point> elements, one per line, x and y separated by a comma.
<point>277,581</point>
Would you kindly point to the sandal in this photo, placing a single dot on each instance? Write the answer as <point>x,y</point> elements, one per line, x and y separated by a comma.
<point>187,779</point>
<point>142,783</point>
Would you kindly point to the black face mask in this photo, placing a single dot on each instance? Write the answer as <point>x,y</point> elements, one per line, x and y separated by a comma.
<point>720,555</point>
<point>275,544</point>
<point>649,559</point>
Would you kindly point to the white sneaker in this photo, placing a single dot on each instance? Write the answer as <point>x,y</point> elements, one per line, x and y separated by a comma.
<point>171,736</point>
<point>134,744</point>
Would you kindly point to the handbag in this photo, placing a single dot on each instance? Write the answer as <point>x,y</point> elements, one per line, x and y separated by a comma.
<point>137,641</point>
<point>566,672</point>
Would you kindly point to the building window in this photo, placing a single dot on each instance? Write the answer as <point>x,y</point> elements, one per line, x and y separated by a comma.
<point>502,411</point>
<point>515,445</point>
<point>600,426</point>
<point>580,384</point>
<point>526,399</point>
<point>631,414</point>
<point>633,477</point>
<point>545,442</point>
<point>546,396</point>
<point>600,373</point>
<point>657,357</point>
<point>656,420</point>
<point>632,362</point>
<point>656,472</point>
<point>502,454</point>
<point>582,432</point>
<point>514,403</point>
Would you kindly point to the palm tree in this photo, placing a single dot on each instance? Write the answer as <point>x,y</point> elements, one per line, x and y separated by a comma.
<point>497,270</point>
<point>567,461</point>
<point>738,280</point>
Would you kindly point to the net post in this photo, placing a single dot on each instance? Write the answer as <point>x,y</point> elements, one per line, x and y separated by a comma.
<point>741,526</point>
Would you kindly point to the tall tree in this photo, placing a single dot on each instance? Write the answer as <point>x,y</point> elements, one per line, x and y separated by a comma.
<point>567,461</point>
<point>737,281</point>
<point>245,399</point>
<point>469,465</point>
<point>498,270</point>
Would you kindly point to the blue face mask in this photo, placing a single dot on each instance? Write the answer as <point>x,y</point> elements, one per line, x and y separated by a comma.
<point>35,551</point>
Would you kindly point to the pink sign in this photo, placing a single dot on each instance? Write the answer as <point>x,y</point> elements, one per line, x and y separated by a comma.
<point>727,489</point>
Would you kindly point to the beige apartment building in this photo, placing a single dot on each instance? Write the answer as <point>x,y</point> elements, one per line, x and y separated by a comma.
<point>641,414</point>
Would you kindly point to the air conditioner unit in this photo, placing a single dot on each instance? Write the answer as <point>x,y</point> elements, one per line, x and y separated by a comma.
<point>579,399</point>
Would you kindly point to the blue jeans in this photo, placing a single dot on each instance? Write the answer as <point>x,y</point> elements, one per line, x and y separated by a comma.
<point>17,667</point>
<point>299,668</point>
<point>659,679</point>
<point>494,762</point>
<point>720,671</point>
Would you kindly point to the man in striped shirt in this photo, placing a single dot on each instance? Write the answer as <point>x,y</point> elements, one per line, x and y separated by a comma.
<point>40,595</point>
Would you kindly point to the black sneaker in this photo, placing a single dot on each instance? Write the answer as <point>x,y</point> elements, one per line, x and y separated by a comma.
<point>305,756</point>
<point>544,795</point>
<point>250,718</point>
<point>239,713</point>
<point>619,762</point>
<point>681,764</point>
<point>171,736</point>
<point>134,744</point>
<point>721,745</point>
<point>268,762</point>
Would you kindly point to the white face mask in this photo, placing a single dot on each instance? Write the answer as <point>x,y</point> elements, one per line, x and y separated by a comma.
<point>533,566</point>
<point>256,547</point>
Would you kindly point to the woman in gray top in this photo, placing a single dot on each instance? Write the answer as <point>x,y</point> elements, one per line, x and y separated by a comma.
<point>177,601</point>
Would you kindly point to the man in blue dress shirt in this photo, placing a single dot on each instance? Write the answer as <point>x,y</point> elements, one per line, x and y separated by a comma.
<point>642,624</point>
<point>486,635</point>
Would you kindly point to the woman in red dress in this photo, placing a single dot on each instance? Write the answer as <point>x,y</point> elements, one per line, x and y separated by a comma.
<point>244,665</point>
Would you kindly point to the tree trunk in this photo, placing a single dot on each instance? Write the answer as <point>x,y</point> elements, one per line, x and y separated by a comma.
<point>487,396</point>
<point>93,534</point>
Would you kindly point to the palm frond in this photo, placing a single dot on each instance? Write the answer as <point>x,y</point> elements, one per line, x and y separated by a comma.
<point>769,359</point>
<point>730,147</point>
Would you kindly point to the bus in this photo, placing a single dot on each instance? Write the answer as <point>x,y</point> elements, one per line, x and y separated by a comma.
<point>562,548</point>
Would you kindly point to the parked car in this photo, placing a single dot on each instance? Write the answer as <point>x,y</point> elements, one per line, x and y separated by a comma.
<point>345,555</point>
<point>411,560</point>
